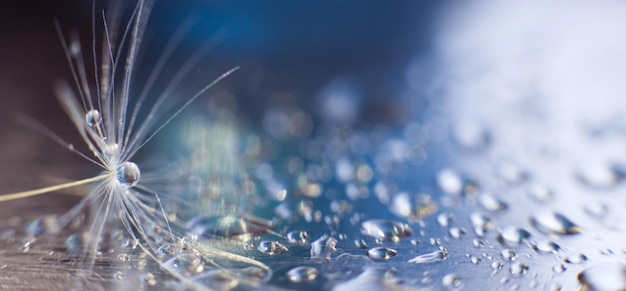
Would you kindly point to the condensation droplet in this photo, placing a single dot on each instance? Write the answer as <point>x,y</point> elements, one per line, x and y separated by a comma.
<point>93,118</point>
<point>449,182</point>
<point>445,219</point>
<point>128,174</point>
<point>576,258</point>
<point>413,207</point>
<point>512,235</point>
<point>323,248</point>
<point>457,232</point>
<point>491,203</point>
<point>300,237</point>
<point>540,193</point>
<point>360,243</point>
<point>381,253</point>
<point>598,176</point>
<point>475,260</point>
<point>545,246</point>
<point>149,279</point>
<point>610,276</point>
<point>302,274</point>
<point>386,229</point>
<point>553,222</point>
<point>434,257</point>
<point>508,254</point>
<point>481,223</point>
<point>271,248</point>
<point>519,268</point>
<point>451,280</point>
<point>559,268</point>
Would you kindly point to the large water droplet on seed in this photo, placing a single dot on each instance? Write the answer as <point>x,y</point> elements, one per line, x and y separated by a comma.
<point>128,174</point>
<point>93,118</point>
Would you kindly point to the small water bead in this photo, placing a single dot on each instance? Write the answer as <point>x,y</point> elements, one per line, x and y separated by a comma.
<point>512,173</point>
<point>508,254</point>
<point>540,193</point>
<point>271,248</point>
<point>128,174</point>
<point>381,253</point>
<point>610,276</point>
<point>481,223</point>
<point>386,229</point>
<point>413,207</point>
<point>300,237</point>
<point>73,245</point>
<point>491,203</point>
<point>457,232</point>
<point>445,219</point>
<point>576,258</point>
<point>559,268</point>
<point>600,176</point>
<point>512,235</point>
<point>451,280</point>
<point>185,263</point>
<point>553,222</point>
<point>475,260</point>
<point>360,243</point>
<point>149,279</point>
<point>449,182</point>
<point>545,246</point>
<point>93,118</point>
<point>118,275</point>
<point>519,268</point>
<point>428,258</point>
<point>323,248</point>
<point>471,135</point>
<point>123,257</point>
<point>302,274</point>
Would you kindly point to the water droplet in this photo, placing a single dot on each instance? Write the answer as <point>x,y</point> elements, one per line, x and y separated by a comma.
<point>491,203</point>
<point>386,229</point>
<point>445,219</point>
<point>128,174</point>
<point>451,280</point>
<point>381,253</point>
<point>481,223</point>
<point>74,244</point>
<point>434,257</point>
<point>149,279</point>
<point>360,243</point>
<point>233,227</point>
<point>540,193</point>
<point>512,173</point>
<point>512,235</point>
<point>576,258</point>
<point>519,268</point>
<point>471,135</point>
<point>185,263</point>
<point>413,207</point>
<point>457,232</point>
<point>553,222</point>
<point>598,176</point>
<point>323,248</point>
<point>475,260</point>
<point>74,48</point>
<point>610,276</point>
<point>118,275</point>
<point>93,118</point>
<point>509,255</point>
<point>123,257</point>
<point>596,209</point>
<point>302,274</point>
<point>545,246</point>
<point>449,182</point>
<point>559,268</point>
<point>300,237</point>
<point>271,247</point>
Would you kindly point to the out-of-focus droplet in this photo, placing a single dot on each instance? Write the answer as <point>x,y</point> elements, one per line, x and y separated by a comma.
<point>508,255</point>
<point>450,182</point>
<point>553,222</point>
<point>491,203</point>
<point>545,246</point>
<point>451,280</point>
<point>540,193</point>
<point>596,209</point>
<point>471,135</point>
<point>271,248</point>
<point>445,219</point>
<point>360,243</point>
<point>323,248</point>
<point>481,223</point>
<point>512,235</point>
<point>603,277</point>
<point>519,268</point>
<point>381,253</point>
<point>386,229</point>
<point>413,207</point>
<point>302,274</point>
<point>600,176</point>
<point>300,237</point>
<point>576,258</point>
<point>434,257</point>
<point>149,279</point>
<point>457,232</point>
<point>559,268</point>
<point>242,228</point>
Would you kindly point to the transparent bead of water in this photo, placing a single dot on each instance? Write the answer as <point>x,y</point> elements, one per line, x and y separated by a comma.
<point>149,279</point>
<point>433,257</point>
<point>519,268</point>
<point>93,118</point>
<point>323,248</point>
<point>491,203</point>
<point>457,232</point>
<point>508,254</point>
<point>576,258</point>
<point>449,182</point>
<point>611,276</point>
<point>386,229</point>
<point>300,237</point>
<point>451,280</point>
<point>553,222</point>
<point>302,274</point>
<point>128,174</point>
<point>381,253</point>
<point>271,248</point>
<point>512,235</point>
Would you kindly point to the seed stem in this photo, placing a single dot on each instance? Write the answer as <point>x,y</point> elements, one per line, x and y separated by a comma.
<point>25,194</point>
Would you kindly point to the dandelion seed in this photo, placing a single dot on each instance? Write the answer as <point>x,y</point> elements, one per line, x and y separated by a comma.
<point>109,124</point>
